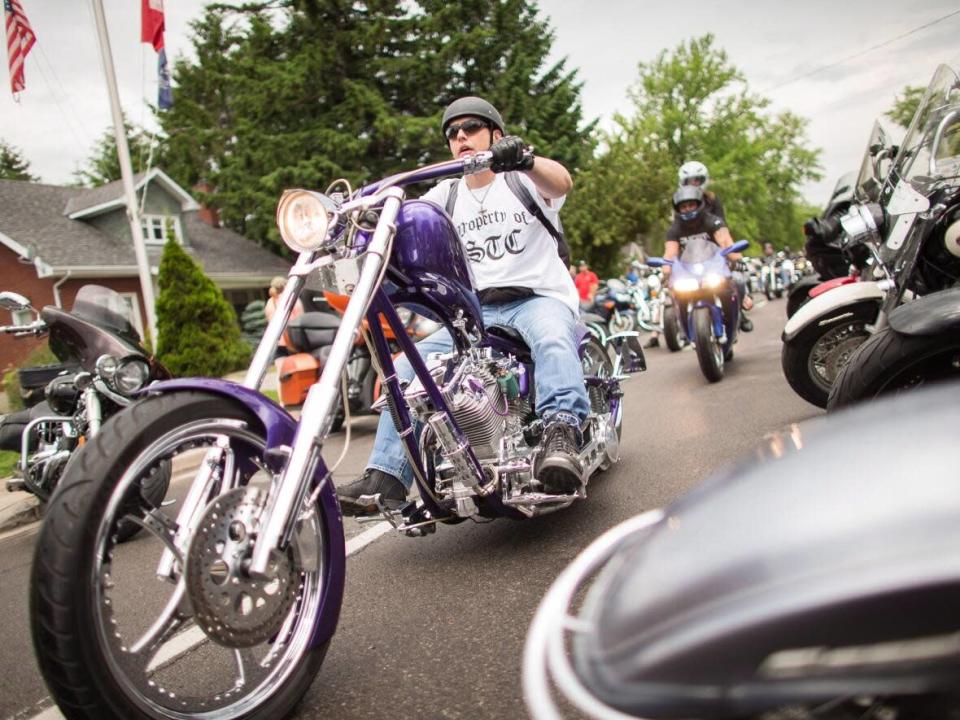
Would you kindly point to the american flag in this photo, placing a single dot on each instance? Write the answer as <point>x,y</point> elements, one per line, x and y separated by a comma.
<point>20,39</point>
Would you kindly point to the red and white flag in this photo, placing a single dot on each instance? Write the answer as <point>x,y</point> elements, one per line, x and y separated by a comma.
<point>20,39</point>
<point>151,23</point>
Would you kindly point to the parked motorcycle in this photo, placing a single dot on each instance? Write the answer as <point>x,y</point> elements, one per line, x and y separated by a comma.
<point>250,562</point>
<point>917,340</point>
<point>839,314</point>
<point>706,299</point>
<point>780,589</point>
<point>109,366</point>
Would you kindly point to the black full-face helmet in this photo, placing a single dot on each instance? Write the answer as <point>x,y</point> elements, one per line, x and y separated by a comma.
<point>473,107</point>
<point>688,193</point>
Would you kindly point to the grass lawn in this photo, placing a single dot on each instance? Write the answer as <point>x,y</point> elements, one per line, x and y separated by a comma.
<point>8,461</point>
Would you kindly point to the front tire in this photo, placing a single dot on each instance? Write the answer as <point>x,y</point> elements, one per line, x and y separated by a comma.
<point>709,352</point>
<point>889,363</point>
<point>672,332</point>
<point>101,620</point>
<point>814,359</point>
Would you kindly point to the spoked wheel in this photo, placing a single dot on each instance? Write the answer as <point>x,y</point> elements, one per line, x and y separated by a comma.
<point>709,350</point>
<point>596,362</point>
<point>813,360</point>
<point>119,634</point>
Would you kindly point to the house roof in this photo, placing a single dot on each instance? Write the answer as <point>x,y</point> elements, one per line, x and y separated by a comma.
<point>94,201</point>
<point>34,222</point>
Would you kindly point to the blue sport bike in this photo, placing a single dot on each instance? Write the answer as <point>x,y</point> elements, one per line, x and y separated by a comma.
<point>705,294</point>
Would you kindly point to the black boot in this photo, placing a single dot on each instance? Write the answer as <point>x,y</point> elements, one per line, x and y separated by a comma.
<point>356,498</point>
<point>746,324</point>
<point>653,342</point>
<point>559,467</point>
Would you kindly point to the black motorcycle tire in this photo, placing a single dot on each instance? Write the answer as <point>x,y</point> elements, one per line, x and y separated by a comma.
<point>65,641</point>
<point>889,362</point>
<point>672,334</point>
<point>711,362</point>
<point>795,354</point>
<point>799,295</point>
<point>153,492</point>
<point>595,360</point>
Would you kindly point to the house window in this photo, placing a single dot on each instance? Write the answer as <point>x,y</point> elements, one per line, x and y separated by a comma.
<point>154,229</point>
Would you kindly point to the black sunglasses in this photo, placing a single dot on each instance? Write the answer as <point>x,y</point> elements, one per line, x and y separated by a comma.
<point>469,127</point>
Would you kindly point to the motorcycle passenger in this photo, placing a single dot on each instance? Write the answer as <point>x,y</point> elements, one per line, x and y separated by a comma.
<point>692,220</point>
<point>695,173</point>
<point>521,281</point>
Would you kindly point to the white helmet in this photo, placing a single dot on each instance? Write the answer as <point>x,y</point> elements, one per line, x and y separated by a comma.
<point>693,169</point>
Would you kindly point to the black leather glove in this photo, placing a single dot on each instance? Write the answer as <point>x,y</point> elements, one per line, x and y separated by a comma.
<point>508,154</point>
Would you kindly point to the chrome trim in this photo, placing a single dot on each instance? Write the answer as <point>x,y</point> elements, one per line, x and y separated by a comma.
<point>937,136</point>
<point>544,653</point>
<point>284,499</point>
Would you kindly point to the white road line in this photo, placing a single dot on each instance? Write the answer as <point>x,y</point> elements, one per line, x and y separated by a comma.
<point>189,639</point>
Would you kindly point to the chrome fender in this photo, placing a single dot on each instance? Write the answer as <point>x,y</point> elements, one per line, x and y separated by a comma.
<point>830,302</point>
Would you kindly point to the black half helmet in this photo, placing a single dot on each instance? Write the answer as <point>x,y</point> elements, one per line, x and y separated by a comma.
<point>474,107</point>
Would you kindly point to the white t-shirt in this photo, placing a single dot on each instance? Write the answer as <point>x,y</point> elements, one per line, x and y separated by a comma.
<point>505,244</point>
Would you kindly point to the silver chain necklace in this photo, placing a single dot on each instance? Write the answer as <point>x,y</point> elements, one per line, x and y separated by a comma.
<point>481,200</point>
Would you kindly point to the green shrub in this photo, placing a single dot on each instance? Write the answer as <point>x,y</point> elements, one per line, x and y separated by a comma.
<point>197,329</point>
<point>11,382</point>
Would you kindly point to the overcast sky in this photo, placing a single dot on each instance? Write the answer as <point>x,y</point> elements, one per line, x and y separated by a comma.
<point>779,46</point>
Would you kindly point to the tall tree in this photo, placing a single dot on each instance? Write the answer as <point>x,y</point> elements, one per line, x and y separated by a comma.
<point>103,164</point>
<point>13,166</point>
<point>905,105</point>
<point>302,92</point>
<point>692,103</point>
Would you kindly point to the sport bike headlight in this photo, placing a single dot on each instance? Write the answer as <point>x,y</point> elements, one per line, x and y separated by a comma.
<point>687,284</point>
<point>713,281</point>
<point>131,375</point>
<point>303,218</point>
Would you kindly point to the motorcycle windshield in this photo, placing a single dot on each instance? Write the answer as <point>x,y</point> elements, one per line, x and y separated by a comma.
<point>874,167</point>
<point>930,152</point>
<point>698,250</point>
<point>106,308</point>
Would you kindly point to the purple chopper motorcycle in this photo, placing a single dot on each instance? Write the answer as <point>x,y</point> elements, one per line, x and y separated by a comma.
<point>232,613</point>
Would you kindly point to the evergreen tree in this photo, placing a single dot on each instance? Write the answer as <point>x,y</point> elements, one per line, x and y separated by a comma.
<point>103,165</point>
<point>13,166</point>
<point>197,329</point>
<point>318,90</point>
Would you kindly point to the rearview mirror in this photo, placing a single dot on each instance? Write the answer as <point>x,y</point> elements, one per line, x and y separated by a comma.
<point>738,246</point>
<point>657,262</point>
<point>14,301</point>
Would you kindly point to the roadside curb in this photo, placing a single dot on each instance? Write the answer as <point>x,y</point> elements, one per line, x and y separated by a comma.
<point>17,508</point>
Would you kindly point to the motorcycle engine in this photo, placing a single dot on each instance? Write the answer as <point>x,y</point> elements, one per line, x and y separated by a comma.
<point>484,399</point>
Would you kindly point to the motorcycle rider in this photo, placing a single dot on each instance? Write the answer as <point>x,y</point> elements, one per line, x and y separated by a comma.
<point>521,281</point>
<point>695,173</point>
<point>692,220</point>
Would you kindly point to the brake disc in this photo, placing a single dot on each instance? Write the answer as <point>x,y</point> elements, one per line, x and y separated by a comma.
<point>232,608</point>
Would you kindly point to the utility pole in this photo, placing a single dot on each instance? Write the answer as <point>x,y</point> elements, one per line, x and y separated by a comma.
<point>126,171</point>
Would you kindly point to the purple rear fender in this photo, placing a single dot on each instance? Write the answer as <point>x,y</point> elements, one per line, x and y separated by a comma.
<point>280,428</point>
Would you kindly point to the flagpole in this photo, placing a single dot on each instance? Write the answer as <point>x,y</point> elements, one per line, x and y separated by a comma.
<point>126,172</point>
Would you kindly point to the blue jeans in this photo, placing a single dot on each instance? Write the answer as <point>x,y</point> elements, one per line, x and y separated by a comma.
<point>548,327</point>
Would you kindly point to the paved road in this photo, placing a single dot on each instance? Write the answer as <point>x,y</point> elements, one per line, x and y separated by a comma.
<point>434,627</point>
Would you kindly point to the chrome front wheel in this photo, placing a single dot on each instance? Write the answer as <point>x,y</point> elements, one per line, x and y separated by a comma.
<point>115,636</point>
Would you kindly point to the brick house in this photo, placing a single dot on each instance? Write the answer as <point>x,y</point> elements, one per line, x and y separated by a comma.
<point>54,240</point>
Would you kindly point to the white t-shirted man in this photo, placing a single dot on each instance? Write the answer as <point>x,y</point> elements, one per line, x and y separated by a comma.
<point>505,245</point>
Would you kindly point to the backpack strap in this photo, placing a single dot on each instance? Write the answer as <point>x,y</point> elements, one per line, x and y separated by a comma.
<point>532,207</point>
<point>452,196</point>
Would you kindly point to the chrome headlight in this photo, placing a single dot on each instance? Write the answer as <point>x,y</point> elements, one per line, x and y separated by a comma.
<point>131,375</point>
<point>863,222</point>
<point>303,218</point>
<point>687,284</point>
<point>107,367</point>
